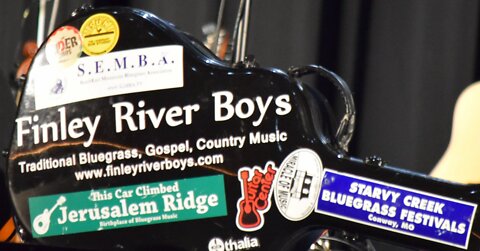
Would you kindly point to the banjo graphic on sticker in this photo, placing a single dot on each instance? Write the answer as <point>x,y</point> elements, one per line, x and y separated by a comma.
<point>298,184</point>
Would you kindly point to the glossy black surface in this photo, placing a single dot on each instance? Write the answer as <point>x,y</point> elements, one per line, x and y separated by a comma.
<point>308,125</point>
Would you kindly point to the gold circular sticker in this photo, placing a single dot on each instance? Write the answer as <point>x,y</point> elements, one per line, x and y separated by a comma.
<point>100,34</point>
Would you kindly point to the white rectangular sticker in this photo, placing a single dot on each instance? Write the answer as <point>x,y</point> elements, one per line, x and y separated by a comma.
<point>121,72</point>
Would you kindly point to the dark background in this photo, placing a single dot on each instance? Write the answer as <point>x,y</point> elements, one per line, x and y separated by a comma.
<point>405,60</point>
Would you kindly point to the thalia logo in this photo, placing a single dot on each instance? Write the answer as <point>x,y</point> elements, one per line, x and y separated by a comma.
<point>217,244</point>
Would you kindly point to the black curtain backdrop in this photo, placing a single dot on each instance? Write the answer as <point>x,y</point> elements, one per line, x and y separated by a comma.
<point>405,60</point>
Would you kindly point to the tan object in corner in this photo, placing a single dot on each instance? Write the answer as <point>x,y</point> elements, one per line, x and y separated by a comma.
<point>461,160</point>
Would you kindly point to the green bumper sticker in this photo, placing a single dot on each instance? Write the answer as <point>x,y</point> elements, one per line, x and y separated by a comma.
<point>128,206</point>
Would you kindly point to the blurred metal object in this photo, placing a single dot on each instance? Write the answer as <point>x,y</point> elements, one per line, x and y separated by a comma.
<point>42,9</point>
<point>43,17</point>
<point>53,17</point>
<point>240,34</point>
<point>221,11</point>
<point>339,240</point>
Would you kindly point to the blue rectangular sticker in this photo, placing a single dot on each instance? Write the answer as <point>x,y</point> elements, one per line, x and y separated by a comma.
<point>394,208</point>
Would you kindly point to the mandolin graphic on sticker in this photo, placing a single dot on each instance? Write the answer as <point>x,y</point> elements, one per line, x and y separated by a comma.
<point>41,223</point>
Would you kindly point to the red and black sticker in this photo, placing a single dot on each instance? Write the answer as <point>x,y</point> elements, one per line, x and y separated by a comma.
<point>257,187</point>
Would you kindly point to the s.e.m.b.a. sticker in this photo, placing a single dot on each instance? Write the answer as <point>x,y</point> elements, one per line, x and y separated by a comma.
<point>116,73</point>
<point>395,208</point>
<point>128,206</point>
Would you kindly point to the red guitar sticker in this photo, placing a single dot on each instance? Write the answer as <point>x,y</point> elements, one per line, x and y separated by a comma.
<point>256,196</point>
